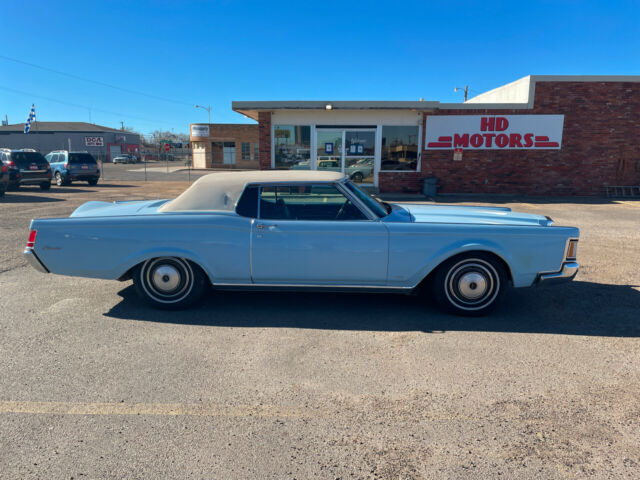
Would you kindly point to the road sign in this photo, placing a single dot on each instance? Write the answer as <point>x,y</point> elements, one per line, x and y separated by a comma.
<point>167,147</point>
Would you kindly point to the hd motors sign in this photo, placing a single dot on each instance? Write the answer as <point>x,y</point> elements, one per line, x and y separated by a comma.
<point>500,132</point>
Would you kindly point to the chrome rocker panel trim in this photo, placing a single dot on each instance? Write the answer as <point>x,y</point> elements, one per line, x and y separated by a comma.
<point>568,272</point>
<point>34,261</point>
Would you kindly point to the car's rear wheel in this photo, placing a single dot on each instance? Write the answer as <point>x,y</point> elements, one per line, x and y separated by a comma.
<point>93,182</point>
<point>357,177</point>
<point>45,185</point>
<point>169,283</point>
<point>60,181</point>
<point>470,284</point>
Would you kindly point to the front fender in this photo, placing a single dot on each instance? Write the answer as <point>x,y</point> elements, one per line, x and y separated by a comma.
<point>462,246</point>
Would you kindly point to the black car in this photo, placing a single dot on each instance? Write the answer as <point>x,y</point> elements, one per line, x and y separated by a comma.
<point>26,167</point>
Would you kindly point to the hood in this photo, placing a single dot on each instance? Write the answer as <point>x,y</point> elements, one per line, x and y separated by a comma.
<point>472,215</point>
<point>106,209</point>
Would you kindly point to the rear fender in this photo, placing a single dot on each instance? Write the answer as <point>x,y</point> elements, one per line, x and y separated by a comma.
<point>123,271</point>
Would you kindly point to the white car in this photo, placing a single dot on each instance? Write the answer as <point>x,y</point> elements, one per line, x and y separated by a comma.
<point>125,158</point>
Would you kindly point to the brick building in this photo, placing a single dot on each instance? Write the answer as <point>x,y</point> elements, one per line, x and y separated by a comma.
<point>540,135</point>
<point>224,145</point>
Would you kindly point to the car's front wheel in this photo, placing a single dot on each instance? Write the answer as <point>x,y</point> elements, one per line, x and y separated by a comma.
<point>470,284</point>
<point>357,177</point>
<point>169,283</point>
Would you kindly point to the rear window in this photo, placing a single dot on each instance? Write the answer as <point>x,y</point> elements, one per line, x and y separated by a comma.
<point>24,159</point>
<point>81,158</point>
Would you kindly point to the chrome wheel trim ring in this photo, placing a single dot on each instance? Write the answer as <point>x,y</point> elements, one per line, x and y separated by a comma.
<point>178,285</point>
<point>460,277</point>
<point>58,179</point>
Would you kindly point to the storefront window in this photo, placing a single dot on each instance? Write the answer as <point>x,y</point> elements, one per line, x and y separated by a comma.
<point>399,148</point>
<point>292,147</point>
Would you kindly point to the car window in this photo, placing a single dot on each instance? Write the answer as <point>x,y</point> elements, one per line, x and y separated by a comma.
<point>81,158</point>
<point>307,202</point>
<point>25,159</point>
<point>248,204</point>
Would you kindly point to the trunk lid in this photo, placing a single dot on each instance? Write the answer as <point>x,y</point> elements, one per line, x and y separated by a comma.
<point>116,209</point>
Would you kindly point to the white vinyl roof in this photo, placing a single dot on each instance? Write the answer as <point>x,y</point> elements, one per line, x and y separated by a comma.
<point>220,191</point>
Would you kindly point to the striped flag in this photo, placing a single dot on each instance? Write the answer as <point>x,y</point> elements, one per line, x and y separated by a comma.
<point>31,118</point>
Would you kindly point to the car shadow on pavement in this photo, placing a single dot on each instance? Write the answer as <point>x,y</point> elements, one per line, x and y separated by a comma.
<point>577,308</point>
<point>11,197</point>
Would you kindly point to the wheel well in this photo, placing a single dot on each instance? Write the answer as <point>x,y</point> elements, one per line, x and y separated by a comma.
<point>128,275</point>
<point>426,280</point>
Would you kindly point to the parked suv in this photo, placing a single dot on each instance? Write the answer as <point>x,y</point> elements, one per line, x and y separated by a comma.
<point>68,167</point>
<point>26,167</point>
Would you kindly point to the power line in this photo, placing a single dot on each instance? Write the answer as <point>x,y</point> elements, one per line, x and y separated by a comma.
<point>90,109</point>
<point>96,82</point>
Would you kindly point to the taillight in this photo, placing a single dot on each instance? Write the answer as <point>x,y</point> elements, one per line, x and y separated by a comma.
<point>66,166</point>
<point>572,251</point>
<point>10,163</point>
<point>31,242</point>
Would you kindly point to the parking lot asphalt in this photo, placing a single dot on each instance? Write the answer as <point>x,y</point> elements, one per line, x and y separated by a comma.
<point>291,385</point>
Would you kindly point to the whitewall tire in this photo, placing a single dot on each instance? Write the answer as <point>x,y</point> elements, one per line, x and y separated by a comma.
<point>169,283</point>
<point>470,284</point>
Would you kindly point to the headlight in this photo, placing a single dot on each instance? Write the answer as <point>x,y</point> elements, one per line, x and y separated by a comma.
<point>572,251</point>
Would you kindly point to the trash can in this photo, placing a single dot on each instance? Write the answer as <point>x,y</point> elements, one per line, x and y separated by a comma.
<point>430,186</point>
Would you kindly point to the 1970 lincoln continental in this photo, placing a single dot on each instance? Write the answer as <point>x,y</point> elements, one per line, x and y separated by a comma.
<point>303,230</point>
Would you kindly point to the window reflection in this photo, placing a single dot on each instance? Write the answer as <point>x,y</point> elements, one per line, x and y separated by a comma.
<point>292,146</point>
<point>399,148</point>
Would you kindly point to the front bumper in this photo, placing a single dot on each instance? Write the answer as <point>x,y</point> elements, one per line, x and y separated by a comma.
<point>34,261</point>
<point>566,274</point>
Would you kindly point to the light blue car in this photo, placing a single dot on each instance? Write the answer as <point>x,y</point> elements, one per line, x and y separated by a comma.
<point>303,230</point>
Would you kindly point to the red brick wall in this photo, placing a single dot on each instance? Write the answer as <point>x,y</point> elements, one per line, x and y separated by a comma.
<point>264,121</point>
<point>600,146</point>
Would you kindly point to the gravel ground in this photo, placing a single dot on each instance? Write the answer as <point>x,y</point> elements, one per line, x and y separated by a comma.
<point>268,385</point>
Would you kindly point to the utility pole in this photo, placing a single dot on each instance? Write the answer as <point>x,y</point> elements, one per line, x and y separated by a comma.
<point>121,125</point>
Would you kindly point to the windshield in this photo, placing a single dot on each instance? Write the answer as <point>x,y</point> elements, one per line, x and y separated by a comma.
<point>374,205</point>
<point>81,158</point>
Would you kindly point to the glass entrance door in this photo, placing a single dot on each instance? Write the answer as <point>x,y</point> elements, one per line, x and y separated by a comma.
<point>350,151</point>
<point>329,152</point>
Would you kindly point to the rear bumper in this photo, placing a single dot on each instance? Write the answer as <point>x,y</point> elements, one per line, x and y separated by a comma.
<point>34,261</point>
<point>566,274</point>
<point>83,176</point>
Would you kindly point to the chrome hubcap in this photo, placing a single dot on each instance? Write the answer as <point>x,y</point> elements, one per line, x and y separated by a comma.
<point>166,278</point>
<point>472,285</point>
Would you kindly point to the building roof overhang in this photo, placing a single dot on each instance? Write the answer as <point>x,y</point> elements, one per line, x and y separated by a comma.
<point>513,96</point>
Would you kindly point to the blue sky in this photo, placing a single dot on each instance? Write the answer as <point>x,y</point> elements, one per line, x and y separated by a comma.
<point>214,52</point>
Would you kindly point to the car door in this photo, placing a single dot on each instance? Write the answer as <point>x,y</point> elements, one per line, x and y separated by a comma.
<point>311,234</point>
